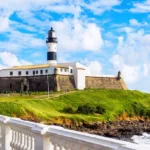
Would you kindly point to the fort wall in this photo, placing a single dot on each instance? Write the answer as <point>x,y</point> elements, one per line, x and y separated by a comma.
<point>35,83</point>
<point>65,82</point>
<point>57,82</point>
<point>105,83</point>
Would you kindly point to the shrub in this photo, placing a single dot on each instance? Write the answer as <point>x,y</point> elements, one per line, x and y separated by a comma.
<point>68,110</point>
<point>86,109</point>
<point>148,113</point>
<point>100,110</point>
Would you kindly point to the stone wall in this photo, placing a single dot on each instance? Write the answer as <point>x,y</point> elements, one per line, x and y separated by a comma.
<point>65,82</point>
<point>105,83</point>
<point>36,83</point>
<point>59,83</point>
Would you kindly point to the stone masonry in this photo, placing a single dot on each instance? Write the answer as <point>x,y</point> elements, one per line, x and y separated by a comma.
<point>105,83</point>
<point>57,82</point>
<point>37,83</point>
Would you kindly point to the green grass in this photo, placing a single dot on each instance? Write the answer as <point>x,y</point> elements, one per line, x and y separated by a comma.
<point>115,102</point>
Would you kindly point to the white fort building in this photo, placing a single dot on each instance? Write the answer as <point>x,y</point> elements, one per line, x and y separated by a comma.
<point>61,76</point>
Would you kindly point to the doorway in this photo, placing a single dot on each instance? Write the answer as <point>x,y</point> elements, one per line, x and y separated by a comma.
<point>25,88</point>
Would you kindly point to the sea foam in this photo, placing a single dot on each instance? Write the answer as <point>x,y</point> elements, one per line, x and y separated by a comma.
<point>143,139</point>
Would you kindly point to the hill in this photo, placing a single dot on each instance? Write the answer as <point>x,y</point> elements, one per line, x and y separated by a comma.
<point>91,105</point>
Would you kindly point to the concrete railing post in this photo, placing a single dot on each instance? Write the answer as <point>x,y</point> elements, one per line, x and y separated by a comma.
<point>42,141</point>
<point>6,133</point>
<point>6,137</point>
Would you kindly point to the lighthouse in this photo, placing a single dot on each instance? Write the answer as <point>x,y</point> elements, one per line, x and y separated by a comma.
<point>51,42</point>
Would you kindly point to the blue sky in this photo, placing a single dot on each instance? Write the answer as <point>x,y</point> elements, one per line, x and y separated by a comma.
<point>106,35</point>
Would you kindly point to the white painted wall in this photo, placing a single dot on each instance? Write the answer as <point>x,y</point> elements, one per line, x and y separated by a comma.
<point>80,79</point>
<point>6,73</point>
<point>61,71</point>
<point>79,71</point>
<point>52,62</point>
<point>79,75</point>
<point>52,47</point>
<point>65,71</point>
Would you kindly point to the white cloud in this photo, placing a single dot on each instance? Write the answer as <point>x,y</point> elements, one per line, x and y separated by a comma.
<point>142,7</point>
<point>95,68</point>
<point>19,41</point>
<point>89,33</point>
<point>132,56</point>
<point>61,6</point>
<point>70,9</point>
<point>135,46</point>
<point>2,67</point>
<point>24,7</point>
<point>10,46</point>
<point>146,69</point>
<point>29,18</point>
<point>125,29</point>
<point>77,35</point>
<point>134,22</point>
<point>24,62</point>
<point>8,60</point>
<point>131,74</point>
<point>108,44</point>
<point>18,25</point>
<point>100,6</point>
<point>4,24</point>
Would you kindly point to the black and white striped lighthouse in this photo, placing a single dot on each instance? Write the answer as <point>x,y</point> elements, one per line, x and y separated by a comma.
<point>51,42</point>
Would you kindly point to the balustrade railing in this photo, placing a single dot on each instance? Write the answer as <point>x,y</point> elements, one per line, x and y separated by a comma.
<point>17,134</point>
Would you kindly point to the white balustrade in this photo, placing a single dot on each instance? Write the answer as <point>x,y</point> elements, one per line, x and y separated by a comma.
<point>17,134</point>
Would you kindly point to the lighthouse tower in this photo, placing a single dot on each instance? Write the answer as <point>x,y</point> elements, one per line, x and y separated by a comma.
<point>51,42</point>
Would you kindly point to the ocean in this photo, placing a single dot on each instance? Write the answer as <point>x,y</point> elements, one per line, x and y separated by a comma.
<point>143,139</point>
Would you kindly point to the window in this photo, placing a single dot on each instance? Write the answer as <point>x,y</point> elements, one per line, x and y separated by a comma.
<point>19,73</point>
<point>36,71</point>
<point>41,71</point>
<point>33,72</point>
<point>27,72</point>
<point>65,70</point>
<point>11,73</point>
<point>61,70</point>
<point>71,71</point>
<point>46,71</point>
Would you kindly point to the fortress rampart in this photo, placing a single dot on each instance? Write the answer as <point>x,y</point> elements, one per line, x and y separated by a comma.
<point>58,83</point>
<point>105,83</point>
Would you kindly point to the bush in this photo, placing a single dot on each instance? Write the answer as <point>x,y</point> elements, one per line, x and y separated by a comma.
<point>68,110</point>
<point>148,113</point>
<point>100,110</point>
<point>86,109</point>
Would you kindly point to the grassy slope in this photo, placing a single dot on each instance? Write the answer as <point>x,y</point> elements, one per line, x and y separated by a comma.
<point>114,101</point>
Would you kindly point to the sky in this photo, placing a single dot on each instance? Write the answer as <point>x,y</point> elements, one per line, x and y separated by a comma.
<point>106,35</point>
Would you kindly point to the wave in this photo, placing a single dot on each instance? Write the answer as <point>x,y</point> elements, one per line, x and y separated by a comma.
<point>143,139</point>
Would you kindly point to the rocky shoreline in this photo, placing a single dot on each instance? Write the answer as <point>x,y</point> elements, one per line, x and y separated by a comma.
<point>123,130</point>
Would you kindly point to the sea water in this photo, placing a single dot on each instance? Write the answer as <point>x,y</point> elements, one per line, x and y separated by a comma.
<point>143,139</point>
